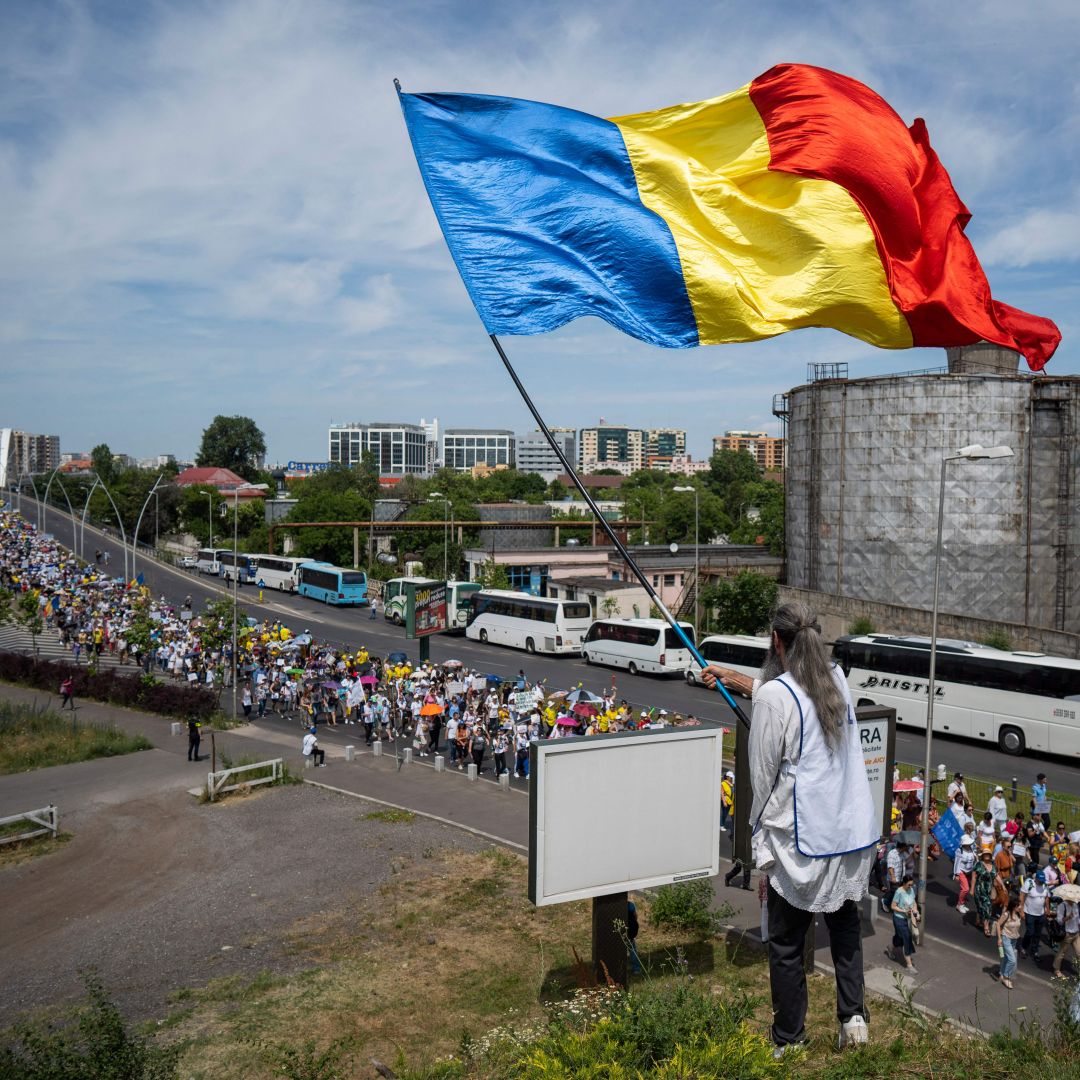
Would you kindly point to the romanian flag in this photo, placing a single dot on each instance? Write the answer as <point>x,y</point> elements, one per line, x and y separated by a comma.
<point>800,200</point>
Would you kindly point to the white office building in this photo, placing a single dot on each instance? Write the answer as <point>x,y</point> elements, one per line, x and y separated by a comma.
<point>399,449</point>
<point>534,453</point>
<point>465,448</point>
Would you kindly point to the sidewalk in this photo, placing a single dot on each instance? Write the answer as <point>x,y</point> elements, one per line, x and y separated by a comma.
<point>954,963</point>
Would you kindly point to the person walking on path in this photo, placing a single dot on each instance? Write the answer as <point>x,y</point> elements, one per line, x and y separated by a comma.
<point>963,864</point>
<point>310,748</point>
<point>1009,926</point>
<point>816,840</point>
<point>67,694</point>
<point>374,607</point>
<point>1036,909</point>
<point>194,737</point>
<point>1068,914</point>
<point>905,916</point>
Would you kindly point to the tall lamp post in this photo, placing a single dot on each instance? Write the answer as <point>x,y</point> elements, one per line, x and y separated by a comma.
<point>434,496</point>
<point>236,575</point>
<point>965,453</point>
<point>210,515</point>
<point>697,551</point>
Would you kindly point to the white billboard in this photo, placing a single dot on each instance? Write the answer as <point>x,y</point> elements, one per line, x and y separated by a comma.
<point>611,813</point>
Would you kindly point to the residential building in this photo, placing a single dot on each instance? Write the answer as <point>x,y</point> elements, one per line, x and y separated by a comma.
<point>225,480</point>
<point>664,444</point>
<point>465,447</point>
<point>765,449</point>
<point>22,453</point>
<point>534,453</point>
<point>609,446</point>
<point>685,465</point>
<point>158,461</point>
<point>398,449</point>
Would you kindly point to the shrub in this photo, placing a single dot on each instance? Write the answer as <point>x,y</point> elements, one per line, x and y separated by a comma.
<point>860,626</point>
<point>998,639</point>
<point>687,905</point>
<point>134,691</point>
<point>96,1046</point>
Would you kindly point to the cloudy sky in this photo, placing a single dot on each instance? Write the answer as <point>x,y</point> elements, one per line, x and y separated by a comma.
<point>212,207</point>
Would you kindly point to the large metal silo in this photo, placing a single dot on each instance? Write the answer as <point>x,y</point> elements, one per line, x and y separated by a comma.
<point>864,459</point>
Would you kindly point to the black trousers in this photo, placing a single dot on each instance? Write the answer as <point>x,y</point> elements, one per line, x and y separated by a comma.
<point>193,747</point>
<point>787,976</point>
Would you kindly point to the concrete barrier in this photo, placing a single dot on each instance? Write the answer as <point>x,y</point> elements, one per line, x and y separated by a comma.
<point>440,763</point>
<point>407,755</point>
<point>504,781</point>
<point>472,773</point>
<point>376,750</point>
<point>177,729</point>
<point>350,753</point>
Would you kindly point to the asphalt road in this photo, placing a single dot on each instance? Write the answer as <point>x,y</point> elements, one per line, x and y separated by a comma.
<point>353,627</point>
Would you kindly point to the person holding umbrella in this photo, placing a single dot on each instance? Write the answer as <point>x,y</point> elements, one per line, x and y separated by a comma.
<point>1068,914</point>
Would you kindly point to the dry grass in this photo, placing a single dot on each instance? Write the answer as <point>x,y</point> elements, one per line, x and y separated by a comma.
<point>450,946</point>
<point>19,851</point>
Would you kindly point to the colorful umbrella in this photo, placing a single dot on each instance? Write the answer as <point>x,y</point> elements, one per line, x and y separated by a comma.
<point>1068,891</point>
<point>331,685</point>
<point>582,695</point>
<point>557,695</point>
<point>585,708</point>
<point>451,663</point>
<point>431,709</point>
<point>908,785</point>
<point>398,658</point>
<point>294,671</point>
<point>566,721</point>
<point>368,680</point>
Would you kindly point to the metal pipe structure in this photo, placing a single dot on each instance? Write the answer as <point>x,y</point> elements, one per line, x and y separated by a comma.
<point>71,512</point>
<point>82,524</point>
<point>138,522</point>
<point>210,514</point>
<point>120,522</point>
<point>604,524</point>
<point>965,453</point>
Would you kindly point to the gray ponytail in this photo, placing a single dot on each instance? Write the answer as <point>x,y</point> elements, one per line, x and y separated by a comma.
<point>807,658</point>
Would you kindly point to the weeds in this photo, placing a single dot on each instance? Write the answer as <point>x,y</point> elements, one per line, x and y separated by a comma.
<point>391,816</point>
<point>687,905</point>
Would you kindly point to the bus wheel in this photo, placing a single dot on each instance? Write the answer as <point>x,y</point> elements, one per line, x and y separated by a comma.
<point>395,619</point>
<point>530,645</point>
<point>1011,740</point>
<point>632,668</point>
<point>483,636</point>
<point>691,678</point>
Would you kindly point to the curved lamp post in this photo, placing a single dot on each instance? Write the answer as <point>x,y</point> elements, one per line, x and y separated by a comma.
<point>965,453</point>
<point>236,576</point>
<point>119,521</point>
<point>138,522</point>
<point>71,512</point>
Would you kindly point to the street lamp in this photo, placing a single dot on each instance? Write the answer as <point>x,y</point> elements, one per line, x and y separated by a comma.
<point>210,515</point>
<point>965,453</point>
<point>697,551</point>
<point>236,573</point>
<point>433,497</point>
<point>146,503</point>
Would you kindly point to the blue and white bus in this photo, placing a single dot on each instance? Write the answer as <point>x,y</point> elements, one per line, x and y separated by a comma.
<point>237,565</point>
<point>332,584</point>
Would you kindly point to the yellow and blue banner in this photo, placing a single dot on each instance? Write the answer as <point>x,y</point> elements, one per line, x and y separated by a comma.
<point>799,200</point>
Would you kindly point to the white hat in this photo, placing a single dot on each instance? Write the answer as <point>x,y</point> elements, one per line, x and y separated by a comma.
<point>663,712</point>
<point>967,841</point>
<point>730,775</point>
<point>999,788</point>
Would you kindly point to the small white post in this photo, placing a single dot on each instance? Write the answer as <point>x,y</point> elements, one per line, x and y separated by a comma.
<point>177,729</point>
<point>350,753</point>
<point>376,750</point>
<point>440,763</point>
<point>472,771</point>
<point>407,755</point>
<point>504,781</point>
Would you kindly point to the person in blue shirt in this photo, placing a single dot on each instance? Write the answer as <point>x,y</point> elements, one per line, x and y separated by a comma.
<point>1040,804</point>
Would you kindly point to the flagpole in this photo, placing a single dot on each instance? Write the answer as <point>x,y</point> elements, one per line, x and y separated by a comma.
<point>606,526</point>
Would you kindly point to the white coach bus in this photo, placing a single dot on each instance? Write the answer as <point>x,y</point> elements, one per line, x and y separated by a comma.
<point>1020,700</point>
<point>736,651</point>
<point>278,572</point>
<point>528,622</point>
<point>639,645</point>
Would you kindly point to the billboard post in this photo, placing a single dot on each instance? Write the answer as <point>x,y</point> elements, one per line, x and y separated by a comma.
<point>425,613</point>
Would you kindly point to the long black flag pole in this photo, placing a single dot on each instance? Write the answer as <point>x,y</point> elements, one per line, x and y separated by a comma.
<point>606,526</point>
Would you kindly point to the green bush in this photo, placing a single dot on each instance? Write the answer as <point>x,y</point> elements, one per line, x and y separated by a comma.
<point>997,639</point>
<point>687,905</point>
<point>95,1046</point>
<point>860,626</point>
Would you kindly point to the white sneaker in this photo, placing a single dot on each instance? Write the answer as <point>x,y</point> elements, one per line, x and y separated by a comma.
<point>854,1032</point>
<point>962,908</point>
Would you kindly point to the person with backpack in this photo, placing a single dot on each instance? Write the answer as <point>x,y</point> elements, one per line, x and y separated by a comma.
<point>905,917</point>
<point>1036,898</point>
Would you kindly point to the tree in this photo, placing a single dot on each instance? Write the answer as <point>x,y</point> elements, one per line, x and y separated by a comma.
<point>101,460</point>
<point>494,575</point>
<point>766,497</point>
<point>29,615</point>
<point>232,442</point>
<point>742,604</point>
<point>610,606</point>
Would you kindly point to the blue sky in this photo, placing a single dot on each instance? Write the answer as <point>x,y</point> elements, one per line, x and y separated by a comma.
<point>212,207</point>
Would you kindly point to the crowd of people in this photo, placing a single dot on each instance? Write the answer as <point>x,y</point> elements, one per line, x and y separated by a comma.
<point>998,866</point>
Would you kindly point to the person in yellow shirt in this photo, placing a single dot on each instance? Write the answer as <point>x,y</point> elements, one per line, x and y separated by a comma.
<point>727,799</point>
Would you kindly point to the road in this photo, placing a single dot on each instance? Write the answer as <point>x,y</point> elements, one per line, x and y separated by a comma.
<point>353,627</point>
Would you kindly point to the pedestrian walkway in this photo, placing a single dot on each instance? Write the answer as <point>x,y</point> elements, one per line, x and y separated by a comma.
<point>954,962</point>
<point>17,639</point>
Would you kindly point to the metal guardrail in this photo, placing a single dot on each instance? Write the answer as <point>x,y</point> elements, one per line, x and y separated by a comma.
<point>216,785</point>
<point>47,819</point>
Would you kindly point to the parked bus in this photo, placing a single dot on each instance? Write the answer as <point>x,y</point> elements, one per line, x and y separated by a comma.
<point>528,622</point>
<point>237,565</point>
<point>331,584</point>
<point>459,595</point>
<point>1020,700</point>
<point>395,596</point>
<point>278,572</point>
<point>736,651</point>
<point>639,645</point>
<point>208,560</point>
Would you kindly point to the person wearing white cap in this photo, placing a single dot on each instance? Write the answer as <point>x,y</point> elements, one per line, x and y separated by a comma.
<point>999,809</point>
<point>963,864</point>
